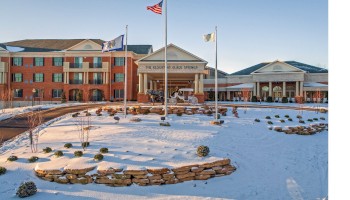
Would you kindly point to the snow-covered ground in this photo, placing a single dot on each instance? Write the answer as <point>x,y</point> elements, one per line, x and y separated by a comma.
<point>270,165</point>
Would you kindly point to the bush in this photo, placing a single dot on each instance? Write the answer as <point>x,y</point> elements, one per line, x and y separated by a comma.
<point>47,150</point>
<point>290,119</point>
<point>301,121</point>
<point>99,114</point>
<point>203,151</point>
<point>68,145</point>
<point>277,116</point>
<point>269,122</point>
<point>78,153</point>
<point>315,119</point>
<point>26,189</point>
<point>88,114</point>
<point>310,120</point>
<point>85,144</point>
<point>299,116</point>
<point>12,158</point>
<point>267,117</point>
<point>33,159</point>
<point>104,150</point>
<point>257,120</point>
<point>164,124</point>
<point>98,157</point>
<point>284,100</point>
<point>58,153</point>
<point>282,121</point>
<point>254,99</point>
<point>2,170</point>
<point>179,114</point>
<point>322,118</point>
<point>269,99</point>
<point>286,116</point>
<point>209,113</point>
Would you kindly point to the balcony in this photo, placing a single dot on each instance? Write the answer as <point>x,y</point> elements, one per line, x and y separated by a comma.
<point>75,81</point>
<point>96,82</point>
<point>3,67</point>
<point>75,65</point>
<point>95,65</point>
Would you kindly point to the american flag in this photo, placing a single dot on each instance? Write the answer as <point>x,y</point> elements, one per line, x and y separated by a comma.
<point>156,8</point>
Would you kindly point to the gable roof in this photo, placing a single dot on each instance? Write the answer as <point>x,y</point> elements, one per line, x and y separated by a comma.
<point>305,67</point>
<point>47,45</point>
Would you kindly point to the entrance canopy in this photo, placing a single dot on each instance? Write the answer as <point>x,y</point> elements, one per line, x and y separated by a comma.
<point>240,87</point>
<point>314,86</point>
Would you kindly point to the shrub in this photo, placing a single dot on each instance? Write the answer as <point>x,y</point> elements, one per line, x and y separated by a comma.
<point>2,170</point>
<point>85,144</point>
<point>58,153</point>
<point>135,119</point>
<point>267,117</point>
<point>68,145</point>
<point>78,153</point>
<point>310,120</point>
<point>75,115</point>
<point>88,114</point>
<point>111,114</point>
<point>12,158</point>
<point>164,124</point>
<point>322,118</point>
<point>47,150</point>
<point>254,99</point>
<point>284,100</point>
<point>26,189</point>
<point>286,116</point>
<point>315,119</point>
<point>257,120</point>
<point>269,122</point>
<point>99,114</point>
<point>98,157</point>
<point>179,114</point>
<point>301,121</point>
<point>282,121</point>
<point>269,99</point>
<point>209,113</point>
<point>277,116</point>
<point>104,150</point>
<point>299,116</point>
<point>290,119</point>
<point>203,151</point>
<point>33,159</point>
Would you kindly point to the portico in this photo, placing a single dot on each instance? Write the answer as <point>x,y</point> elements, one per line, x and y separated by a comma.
<point>185,70</point>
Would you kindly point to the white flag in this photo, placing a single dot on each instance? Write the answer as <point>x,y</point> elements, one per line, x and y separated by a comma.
<point>209,37</point>
<point>113,45</point>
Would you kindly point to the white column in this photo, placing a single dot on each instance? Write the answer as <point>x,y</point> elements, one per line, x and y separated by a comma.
<point>304,95</point>
<point>228,95</point>
<point>258,89</point>
<point>254,89</point>
<point>140,83</point>
<point>196,83</point>
<point>155,85</point>
<point>201,84</point>
<point>270,89</point>
<point>145,83</point>
<point>284,89</point>
<point>297,88</point>
<point>301,88</point>
<point>151,84</point>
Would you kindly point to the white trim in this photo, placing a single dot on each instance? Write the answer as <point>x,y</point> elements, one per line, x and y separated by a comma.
<point>81,43</point>
<point>274,62</point>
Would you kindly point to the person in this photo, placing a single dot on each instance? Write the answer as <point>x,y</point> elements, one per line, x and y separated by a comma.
<point>152,99</point>
<point>161,96</point>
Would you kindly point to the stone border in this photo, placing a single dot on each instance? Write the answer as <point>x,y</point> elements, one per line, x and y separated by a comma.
<point>157,176</point>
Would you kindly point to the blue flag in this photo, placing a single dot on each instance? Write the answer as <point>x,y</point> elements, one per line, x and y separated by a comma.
<point>113,45</point>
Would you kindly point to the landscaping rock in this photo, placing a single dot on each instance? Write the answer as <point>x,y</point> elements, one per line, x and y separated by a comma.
<point>158,171</point>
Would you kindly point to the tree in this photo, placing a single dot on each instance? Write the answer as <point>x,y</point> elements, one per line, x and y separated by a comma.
<point>63,97</point>
<point>211,95</point>
<point>6,99</point>
<point>317,96</point>
<point>34,119</point>
<point>83,125</point>
<point>245,95</point>
<point>79,96</point>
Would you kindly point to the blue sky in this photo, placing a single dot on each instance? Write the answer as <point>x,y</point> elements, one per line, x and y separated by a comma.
<point>249,31</point>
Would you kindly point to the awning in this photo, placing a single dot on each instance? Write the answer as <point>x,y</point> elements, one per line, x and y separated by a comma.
<point>239,87</point>
<point>314,86</point>
<point>186,89</point>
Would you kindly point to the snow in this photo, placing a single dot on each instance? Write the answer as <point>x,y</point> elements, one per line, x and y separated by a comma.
<point>270,165</point>
<point>14,49</point>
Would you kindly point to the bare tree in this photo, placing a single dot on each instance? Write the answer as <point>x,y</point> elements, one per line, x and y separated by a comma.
<point>83,125</point>
<point>318,100</point>
<point>34,119</point>
<point>6,99</point>
<point>245,95</point>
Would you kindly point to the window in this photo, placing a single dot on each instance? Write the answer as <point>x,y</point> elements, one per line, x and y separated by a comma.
<point>77,78</point>
<point>119,61</point>
<point>118,77</point>
<point>118,94</point>
<point>17,77</point>
<point>57,62</point>
<point>38,77</point>
<point>17,61</point>
<point>17,93</point>
<point>57,77</point>
<point>97,78</point>
<point>57,93</point>
<point>38,93</point>
<point>39,61</point>
<point>97,62</point>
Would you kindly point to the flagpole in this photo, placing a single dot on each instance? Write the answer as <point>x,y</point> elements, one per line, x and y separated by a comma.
<point>216,73</point>
<point>166,62</point>
<point>126,69</point>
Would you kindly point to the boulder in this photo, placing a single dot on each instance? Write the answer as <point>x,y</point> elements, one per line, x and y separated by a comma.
<point>135,172</point>
<point>202,177</point>
<point>62,180</point>
<point>140,181</point>
<point>168,176</point>
<point>197,169</point>
<point>156,182</point>
<point>71,176</point>
<point>172,181</point>
<point>155,177</point>
<point>206,172</point>
<point>183,176</point>
<point>79,171</point>
<point>140,176</point>
<point>190,178</point>
<point>121,176</point>
<point>158,171</point>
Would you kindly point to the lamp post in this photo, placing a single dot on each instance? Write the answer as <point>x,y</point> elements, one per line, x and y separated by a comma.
<point>33,91</point>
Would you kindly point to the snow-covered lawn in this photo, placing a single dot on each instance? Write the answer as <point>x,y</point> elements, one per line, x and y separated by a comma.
<point>270,165</point>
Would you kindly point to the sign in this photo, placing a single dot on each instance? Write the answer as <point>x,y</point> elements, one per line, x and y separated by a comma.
<point>173,67</point>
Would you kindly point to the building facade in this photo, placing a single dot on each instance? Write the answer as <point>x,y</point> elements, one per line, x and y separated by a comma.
<point>43,70</point>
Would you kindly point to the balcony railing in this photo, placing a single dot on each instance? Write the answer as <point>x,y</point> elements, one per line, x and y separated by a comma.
<point>75,65</point>
<point>95,65</point>
<point>75,81</point>
<point>96,82</point>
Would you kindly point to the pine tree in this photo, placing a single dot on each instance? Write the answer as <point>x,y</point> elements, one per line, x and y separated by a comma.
<point>63,97</point>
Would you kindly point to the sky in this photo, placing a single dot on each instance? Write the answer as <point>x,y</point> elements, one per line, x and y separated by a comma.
<point>249,31</point>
